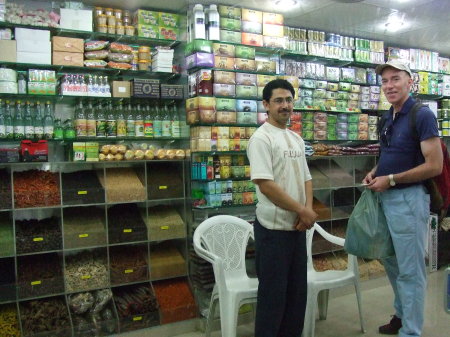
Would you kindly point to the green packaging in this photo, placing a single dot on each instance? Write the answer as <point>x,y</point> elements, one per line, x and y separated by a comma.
<point>79,151</point>
<point>225,104</point>
<point>91,151</point>
<point>245,52</point>
<point>230,24</point>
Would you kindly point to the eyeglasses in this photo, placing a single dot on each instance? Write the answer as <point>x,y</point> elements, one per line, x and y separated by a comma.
<point>280,100</point>
<point>386,136</point>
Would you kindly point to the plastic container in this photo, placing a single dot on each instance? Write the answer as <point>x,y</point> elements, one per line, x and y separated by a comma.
<point>102,29</point>
<point>199,22</point>
<point>101,19</point>
<point>120,30</point>
<point>129,30</point>
<point>213,23</point>
<point>118,14</point>
<point>144,53</point>
<point>111,20</point>
<point>111,29</point>
<point>143,65</point>
<point>98,11</point>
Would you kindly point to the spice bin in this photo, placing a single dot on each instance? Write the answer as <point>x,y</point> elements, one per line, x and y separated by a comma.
<point>93,313</point>
<point>128,264</point>
<point>7,280</point>
<point>39,275</point>
<point>125,224</point>
<point>86,270</point>
<point>5,190</point>
<point>38,235</point>
<point>6,235</point>
<point>175,299</point>
<point>82,187</point>
<point>123,184</point>
<point>136,306</point>
<point>164,180</point>
<point>166,261</point>
<point>165,223</point>
<point>84,227</point>
<point>9,321</point>
<point>36,188</point>
<point>47,317</point>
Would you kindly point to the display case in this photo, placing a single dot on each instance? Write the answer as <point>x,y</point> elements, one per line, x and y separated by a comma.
<point>128,264</point>
<point>34,235</point>
<point>7,280</point>
<point>6,235</point>
<point>125,224</point>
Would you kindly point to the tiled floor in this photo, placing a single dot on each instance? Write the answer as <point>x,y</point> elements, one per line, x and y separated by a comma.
<point>343,319</point>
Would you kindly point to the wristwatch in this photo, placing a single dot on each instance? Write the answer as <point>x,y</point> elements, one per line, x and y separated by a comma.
<point>391,180</point>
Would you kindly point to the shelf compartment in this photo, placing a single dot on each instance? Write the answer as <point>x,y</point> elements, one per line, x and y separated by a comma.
<point>175,300</point>
<point>125,224</point>
<point>5,189</point>
<point>166,261</point>
<point>84,227</point>
<point>86,270</point>
<point>34,236</point>
<point>36,188</point>
<point>39,275</point>
<point>82,187</point>
<point>165,181</point>
<point>103,323</point>
<point>128,264</point>
<point>45,318</point>
<point>137,307</point>
<point>6,235</point>
<point>124,184</point>
<point>9,320</point>
<point>164,223</point>
<point>7,280</point>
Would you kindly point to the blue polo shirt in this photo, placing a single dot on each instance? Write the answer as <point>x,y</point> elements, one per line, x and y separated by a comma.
<point>399,151</point>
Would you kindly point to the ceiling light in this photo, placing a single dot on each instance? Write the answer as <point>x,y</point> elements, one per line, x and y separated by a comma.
<point>395,22</point>
<point>285,3</point>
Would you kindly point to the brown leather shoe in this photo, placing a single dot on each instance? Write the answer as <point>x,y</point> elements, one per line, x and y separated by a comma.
<point>392,327</point>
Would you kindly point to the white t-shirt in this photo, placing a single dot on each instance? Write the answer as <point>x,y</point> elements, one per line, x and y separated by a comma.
<point>279,155</point>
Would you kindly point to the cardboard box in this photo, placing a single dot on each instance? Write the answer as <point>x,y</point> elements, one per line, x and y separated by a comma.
<point>63,58</point>
<point>121,89</point>
<point>76,19</point>
<point>252,39</point>
<point>8,52</point>
<point>273,18</point>
<point>172,91</point>
<point>34,46</point>
<point>67,44</point>
<point>145,88</point>
<point>37,58</point>
<point>92,151</point>
<point>79,151</point>
<point>32,34</point>
<point>252,15</point>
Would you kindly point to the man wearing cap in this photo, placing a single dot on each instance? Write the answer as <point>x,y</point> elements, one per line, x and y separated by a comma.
<point>404,164</point>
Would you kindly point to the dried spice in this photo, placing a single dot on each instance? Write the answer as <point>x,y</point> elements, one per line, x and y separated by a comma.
<point>128,264</point>
<point>82,187</point>
<point>38,235</point>
<point>84,227</point>
<point>164,181</point>
<point>125,224</point>
<point>48,315</point>
<point>9,324</point>
<point>164,223</point>
<point>5,190</point>
<point>137,307</point>
<point>166,261</point>
<point>36,188</point>
<point>122,185</point>
<point>176,300</point>
<point>6,236</point>
<point>86,270</point>
<point>39,275</point>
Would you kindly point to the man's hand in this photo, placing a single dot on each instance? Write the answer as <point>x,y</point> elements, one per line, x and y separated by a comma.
<point>368,178</point>
<point>306,219</point>
<point>379,184</point>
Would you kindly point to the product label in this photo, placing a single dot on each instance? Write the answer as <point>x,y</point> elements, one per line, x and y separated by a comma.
<point>82,192</point>
<point>137,318</point>
<point>130,128</point>
<point>85,277</point>
<point>166,129</point>
<point>128,271</point>
<point>2,131</point>
<point>39,131</point>
<point>19,131</point>
<point>121,128</point>
<point>111,128</point>
<point>38,239</point>
<point>139,128</point>
<point>81,127</point>
<point>148,129</point>
<point>83,236</point>
<point>101,128</point>
<point>157,129</point>
<point>9,130</point>
<point>127,230</point>
<point>36,283</point>
<point>164,227</point>
<point>176,131</point>
<point>48,131</point>
<point>91,128</point>
<point>29,131</point>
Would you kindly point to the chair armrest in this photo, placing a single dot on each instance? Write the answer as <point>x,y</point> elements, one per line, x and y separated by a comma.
<point>329,237</point>
<point>202,252</point>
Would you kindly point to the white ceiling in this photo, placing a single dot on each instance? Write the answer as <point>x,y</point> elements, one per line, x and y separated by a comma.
<point>427,28</point>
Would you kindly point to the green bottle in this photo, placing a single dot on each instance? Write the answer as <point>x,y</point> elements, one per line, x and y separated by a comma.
<point>130,122</point>
<point>121,121</point>
<point>111,124</point>
<point>2,120</point>
<point>28,122</point>
<point>101,122</point>
<point>148,123</point>
<point>19,124</point>
<point>9,121</point>
<point>38,122</point>
<point>68,130</point>
<point>48,122</point>
<point>58,132</point>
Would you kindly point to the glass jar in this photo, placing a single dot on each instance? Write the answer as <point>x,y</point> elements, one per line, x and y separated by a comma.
<point>118,14</point>
<point>102,29</point>
<point>109,11</point>
<point>111,29</point>
<point>98,11</point>
<point>111,20</point>
<point>129,30</point>
<point>144,53</point>
<point>120,30</point>
<point>101,19</point>
<point>126,21</point>
<point>143,65</point>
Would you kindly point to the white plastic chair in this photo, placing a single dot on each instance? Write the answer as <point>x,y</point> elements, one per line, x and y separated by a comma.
<point>222,241</point>
<point>319,283</point>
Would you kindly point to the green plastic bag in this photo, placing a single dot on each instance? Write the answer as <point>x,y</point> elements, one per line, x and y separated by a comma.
<point>367,230</point>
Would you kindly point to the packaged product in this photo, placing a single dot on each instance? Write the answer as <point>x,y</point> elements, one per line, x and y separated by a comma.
<point>120,57</point>
<point>95,45</point>
<point>95,63</point>
<point>120,48</point>
<point>118,65</point>
<point>96,55</point>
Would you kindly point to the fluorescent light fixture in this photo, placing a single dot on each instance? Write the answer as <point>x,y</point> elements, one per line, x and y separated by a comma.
<point>285,3</point>
<point>395,22</point>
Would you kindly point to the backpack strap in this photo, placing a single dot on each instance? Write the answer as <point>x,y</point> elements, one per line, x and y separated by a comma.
<point>381,123</point>
<point>413,117</point>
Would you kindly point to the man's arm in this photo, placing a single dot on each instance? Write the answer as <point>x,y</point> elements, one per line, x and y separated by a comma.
<point>431,151</point>
<point>280,198</point>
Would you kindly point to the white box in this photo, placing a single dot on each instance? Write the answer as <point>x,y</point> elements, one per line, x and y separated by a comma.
<point>76,19</point>
<point>431,249</point>
<point>37,58</point>
<point>31,34</point>
<point>34,46</point>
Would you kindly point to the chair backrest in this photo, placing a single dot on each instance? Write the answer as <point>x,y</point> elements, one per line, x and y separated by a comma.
<point>222,240</point>
<point>309,238</point>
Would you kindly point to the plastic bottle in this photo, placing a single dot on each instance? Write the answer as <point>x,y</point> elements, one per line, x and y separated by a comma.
<point>9,128</point>
<point>139,122</point>
<point>175,123</point>
<point>199,22</point>
<point>157,123</point>
<point>91,124</point>
<point>19,124</point>
<point>80,121</point>
<point>148,123</point>
<point>101,122</point>
<point>130,122</point>
<point>111,124</point>
<point>213,23</point>
<point>28,121</point>
<point>39,122</point>
<point>2,120</point>
<point>166,129</point>
<point>58,130</point>
<point>49,129</point>
<point>121,122</point>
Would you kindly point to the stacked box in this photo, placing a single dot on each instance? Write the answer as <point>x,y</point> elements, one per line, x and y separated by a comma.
<point>33,46</point>
<point>67,51</point>
<point>41,82</point>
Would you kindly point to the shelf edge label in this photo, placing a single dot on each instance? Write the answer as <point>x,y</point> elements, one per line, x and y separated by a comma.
<point>36,283</point>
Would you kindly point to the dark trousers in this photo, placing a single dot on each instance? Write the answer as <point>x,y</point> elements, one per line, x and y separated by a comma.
<point>282,273</point>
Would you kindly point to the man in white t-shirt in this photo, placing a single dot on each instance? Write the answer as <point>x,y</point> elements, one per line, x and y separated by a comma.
<point>283,213</point>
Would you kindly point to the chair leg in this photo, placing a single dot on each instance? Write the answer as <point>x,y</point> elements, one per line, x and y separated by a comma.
<point>211,313</point>
<point>228,316</point>
<point>310,314</point>
<point>358,298</point>
<point>322,300</point>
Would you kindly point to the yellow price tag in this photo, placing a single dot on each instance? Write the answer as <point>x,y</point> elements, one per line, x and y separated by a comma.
<point>36,283</point>
<point>163,187</point>
<point>85,277</point>
<point>38,239</point>
<point>164,227</point>
<point>127,230</point>
<point>82,192</point>
<point>128,271</point>
<point>137,318</point>
<point>83,235</point>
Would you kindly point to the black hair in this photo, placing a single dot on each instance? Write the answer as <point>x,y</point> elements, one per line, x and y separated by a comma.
<point>277,84</point>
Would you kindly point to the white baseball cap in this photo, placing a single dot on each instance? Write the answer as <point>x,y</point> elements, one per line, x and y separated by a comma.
<point>397,64</point>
